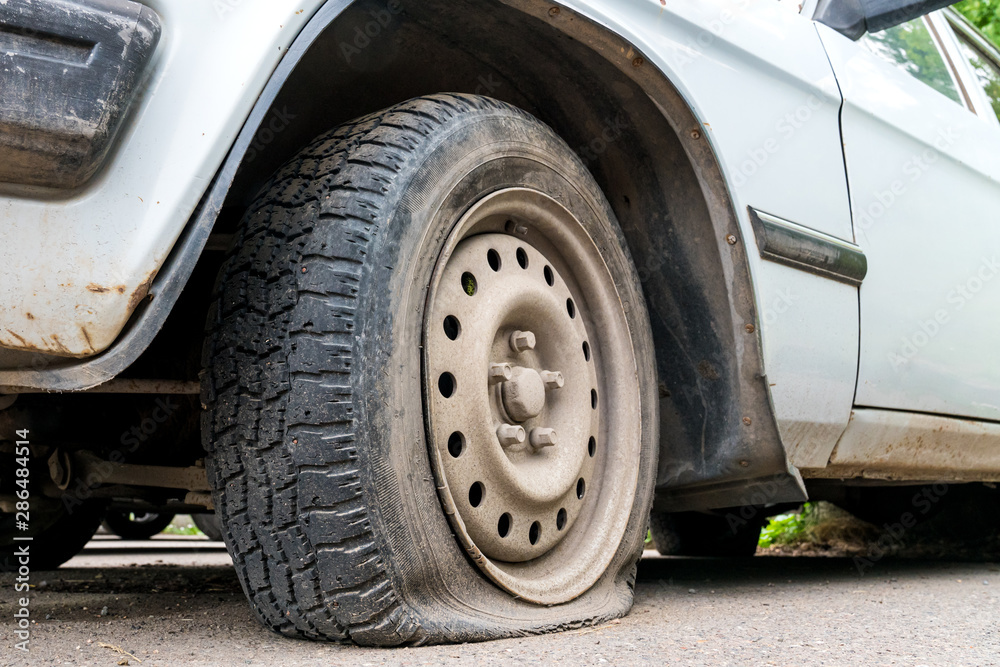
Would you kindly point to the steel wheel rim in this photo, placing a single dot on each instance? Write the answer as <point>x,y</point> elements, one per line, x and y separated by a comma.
<point>521,289</point>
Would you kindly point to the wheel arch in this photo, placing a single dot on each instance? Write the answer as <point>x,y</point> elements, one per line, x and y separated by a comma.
<point>634,131</point>
<point>648,151</point>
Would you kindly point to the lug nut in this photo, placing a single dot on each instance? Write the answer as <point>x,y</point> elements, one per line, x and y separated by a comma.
<point>521,341</point>
<point>509,434</point>
<point>552,379</point>
<point>542,437</point>
<point>500,372</point>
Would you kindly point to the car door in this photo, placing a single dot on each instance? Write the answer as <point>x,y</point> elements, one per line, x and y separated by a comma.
<point>924,177</point>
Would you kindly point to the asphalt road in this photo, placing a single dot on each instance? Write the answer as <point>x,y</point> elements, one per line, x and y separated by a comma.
<point>177,602</point>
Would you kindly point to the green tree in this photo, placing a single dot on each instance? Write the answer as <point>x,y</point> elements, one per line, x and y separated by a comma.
<point>910,47</point>
<point>985,14</point>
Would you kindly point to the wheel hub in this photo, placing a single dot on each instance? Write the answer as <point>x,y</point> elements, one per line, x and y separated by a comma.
<point>523,394</point>
<point>515,398</point>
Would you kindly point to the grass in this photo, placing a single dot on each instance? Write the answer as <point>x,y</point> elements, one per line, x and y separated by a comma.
<point>789,528</point>
<point>817,527</point>
<point>182,525</point>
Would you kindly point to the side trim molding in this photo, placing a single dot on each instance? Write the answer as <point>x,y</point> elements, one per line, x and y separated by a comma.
<point>805,249</point>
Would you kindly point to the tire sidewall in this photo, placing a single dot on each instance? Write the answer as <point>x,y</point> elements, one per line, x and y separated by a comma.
<point>473,155</point>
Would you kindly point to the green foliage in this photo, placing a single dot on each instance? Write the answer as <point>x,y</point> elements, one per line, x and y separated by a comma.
<point>788,528</point>
<point>984,14</point>
<point>910,47</point>
<point>185,529</point>
<point>986,72</point>
<point>469,283</point>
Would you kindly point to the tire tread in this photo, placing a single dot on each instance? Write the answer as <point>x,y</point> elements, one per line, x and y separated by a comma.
<point>284,463</point>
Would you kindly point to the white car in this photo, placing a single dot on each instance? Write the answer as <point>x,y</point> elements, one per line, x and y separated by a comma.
<point>486,283</point>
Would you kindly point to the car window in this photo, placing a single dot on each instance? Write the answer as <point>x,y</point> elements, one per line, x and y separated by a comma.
<point>986,71</point>
<point>910,47</point>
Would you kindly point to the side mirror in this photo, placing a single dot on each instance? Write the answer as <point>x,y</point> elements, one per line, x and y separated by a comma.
<point>854,18</point>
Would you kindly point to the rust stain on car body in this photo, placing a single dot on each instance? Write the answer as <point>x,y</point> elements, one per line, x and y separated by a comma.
<point>141,291</point>
<point>21,340</point>
<point>100,289</point>
<point>83,335</point>
<point>62,349</point>
<point>50,345</point>
<point>86,336</point>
